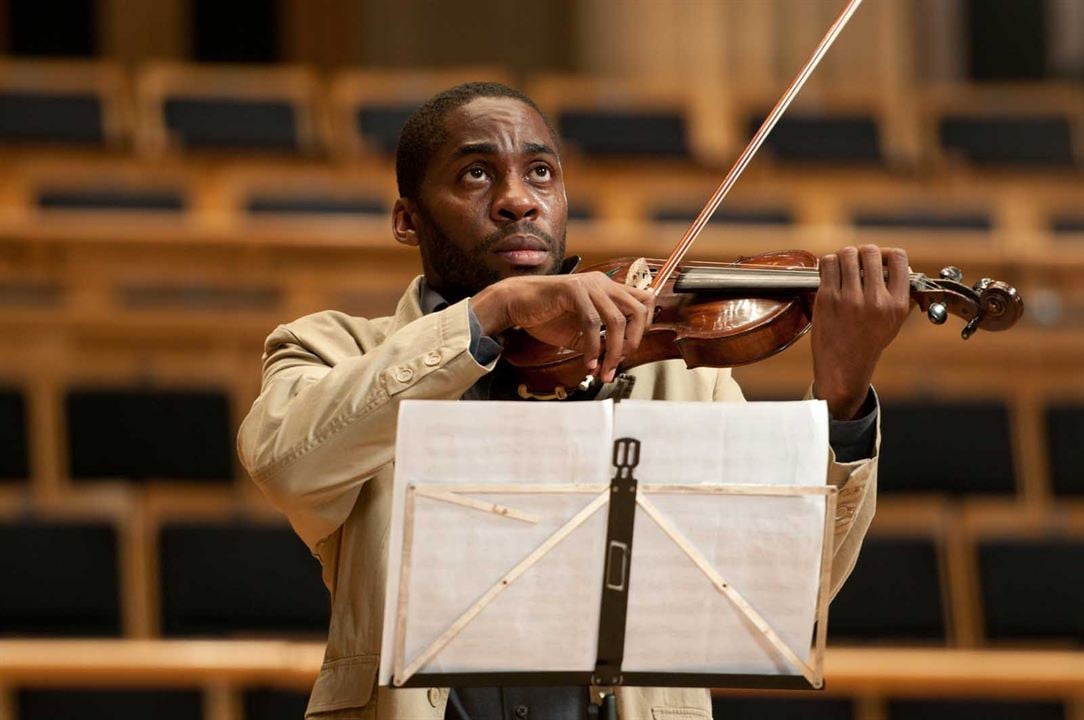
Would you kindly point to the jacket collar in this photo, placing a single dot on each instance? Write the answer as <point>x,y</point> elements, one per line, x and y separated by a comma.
<point>409,308</point>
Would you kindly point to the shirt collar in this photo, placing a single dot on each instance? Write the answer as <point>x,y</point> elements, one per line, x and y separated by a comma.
<point>430,299</point>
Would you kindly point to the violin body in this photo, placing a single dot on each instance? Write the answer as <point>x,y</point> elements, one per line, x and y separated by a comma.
<point>730,314</point>
<point>718,328</point>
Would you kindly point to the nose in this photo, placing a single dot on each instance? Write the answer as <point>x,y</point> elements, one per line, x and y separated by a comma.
<point>514,201</point>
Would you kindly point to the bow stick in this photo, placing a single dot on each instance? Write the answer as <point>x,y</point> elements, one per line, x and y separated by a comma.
<point>743,160</point>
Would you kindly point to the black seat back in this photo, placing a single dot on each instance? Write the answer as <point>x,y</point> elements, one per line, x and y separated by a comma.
<point>237,578</point>
<point>14,452</point>
<point>219,123</point>
<point>894,593</point>
<point>60,578</point>
<point>1000,140</point>
<point>111,704</point>
<point>51,117</point>
<point>823,139</point>
<point>949,448</point>
<point>1031,589</point>
<point>625,133</point>
<point>137,434</point>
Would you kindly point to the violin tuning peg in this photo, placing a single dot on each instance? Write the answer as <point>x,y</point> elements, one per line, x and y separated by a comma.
<point>982,284</point>
<point>937,313</point>
<point>952,273</point>
<point>971,327</point>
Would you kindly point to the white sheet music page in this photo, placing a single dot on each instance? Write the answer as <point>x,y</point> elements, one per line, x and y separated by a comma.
<point>767,548</point>
<point>547,619</point>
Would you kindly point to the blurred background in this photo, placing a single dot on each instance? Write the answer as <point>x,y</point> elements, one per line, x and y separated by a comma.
<point>177,177</point>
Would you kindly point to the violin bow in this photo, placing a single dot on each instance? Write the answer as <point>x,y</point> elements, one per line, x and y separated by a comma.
<point>744,159</point>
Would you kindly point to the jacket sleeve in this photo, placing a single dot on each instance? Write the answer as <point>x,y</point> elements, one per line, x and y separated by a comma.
<point>325,419</point>
<point>857,498</point>
<point>855,505</point>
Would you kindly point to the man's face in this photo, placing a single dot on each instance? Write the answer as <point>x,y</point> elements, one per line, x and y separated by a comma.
<point>492,203</point>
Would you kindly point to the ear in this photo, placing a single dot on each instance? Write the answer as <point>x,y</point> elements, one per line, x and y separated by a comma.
<point>402,222</point>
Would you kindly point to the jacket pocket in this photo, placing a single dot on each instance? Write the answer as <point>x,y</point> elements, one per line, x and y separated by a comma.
<point>343,688</point>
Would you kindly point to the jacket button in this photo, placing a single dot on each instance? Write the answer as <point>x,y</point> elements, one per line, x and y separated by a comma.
<point>432,358</point>
<point>404,374</point>
<point>433,696</point>
<point>521,711</point>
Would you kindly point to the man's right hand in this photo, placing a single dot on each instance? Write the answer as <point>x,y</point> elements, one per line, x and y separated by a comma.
<point>570,311</point>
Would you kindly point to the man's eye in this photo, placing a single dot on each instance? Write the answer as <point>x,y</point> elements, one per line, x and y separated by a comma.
<point>477,173</point>
<point>542,171</point>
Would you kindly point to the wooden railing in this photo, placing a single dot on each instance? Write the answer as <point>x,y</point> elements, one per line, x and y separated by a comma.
<point>232,665</point>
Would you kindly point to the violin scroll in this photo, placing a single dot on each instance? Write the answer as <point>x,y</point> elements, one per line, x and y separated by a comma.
<point>987,305</point>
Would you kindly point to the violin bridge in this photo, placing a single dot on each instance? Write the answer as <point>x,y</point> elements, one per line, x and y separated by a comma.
<point>639,275</point>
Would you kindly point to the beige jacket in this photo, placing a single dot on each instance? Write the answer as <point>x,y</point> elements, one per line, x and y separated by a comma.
<point>320,440</point>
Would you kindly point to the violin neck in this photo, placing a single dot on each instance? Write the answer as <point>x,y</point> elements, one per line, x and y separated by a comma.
<point>739,279</point>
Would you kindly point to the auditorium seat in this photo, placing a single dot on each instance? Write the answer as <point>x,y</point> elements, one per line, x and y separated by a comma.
<point>77,104</point>
<point>59,578</point>
<point>227,108</point>
<point>1031,589</point>
<point>604,118</point>
<point>914,709</point>
<point>274,704</point>
<point>768,216</point>
<point>111,199</point>
<point>894,594</point>
<point>239,579</point>
<point>106,192</point>
<point>109,704</point>
<point>369,107</point>
<point>149,434</point>
<point>14,452</point>
<point>611,133</point>
<point>1065,445</point>
<point>1067,224</point>
<point>197,297</point>
<point>313,205</point>
<point>740,708</point>
<point>1042,141</point>
<point>379,125</point>
<point>22,294</point>
<point>953,448</point>
<point>824,139</point>
<point>918,218</point>
<point>989,125</point>
<point>580,210</point>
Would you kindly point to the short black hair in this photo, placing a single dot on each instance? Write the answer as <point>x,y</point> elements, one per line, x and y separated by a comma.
<point>423,132</point>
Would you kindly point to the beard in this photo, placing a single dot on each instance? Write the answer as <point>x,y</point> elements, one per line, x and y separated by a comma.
<point>464,272</point>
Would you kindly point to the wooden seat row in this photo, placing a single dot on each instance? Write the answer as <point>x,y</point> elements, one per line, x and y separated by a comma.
<point>140,431</point>
<point>126,564</point>
<point>169,107</point>
<point>245,680</point>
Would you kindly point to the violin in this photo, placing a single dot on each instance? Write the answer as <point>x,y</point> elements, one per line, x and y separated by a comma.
<point>724,315</point>
<point>731,314</point>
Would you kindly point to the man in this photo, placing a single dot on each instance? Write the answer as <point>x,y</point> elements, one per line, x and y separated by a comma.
<point>482,197</point>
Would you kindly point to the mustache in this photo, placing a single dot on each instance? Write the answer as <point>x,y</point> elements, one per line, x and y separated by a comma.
<point>519,228</point>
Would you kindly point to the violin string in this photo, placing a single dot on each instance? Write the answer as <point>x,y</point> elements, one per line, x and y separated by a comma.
<point>919,280</point>
<point>752,267</point>
<point>751,149</point>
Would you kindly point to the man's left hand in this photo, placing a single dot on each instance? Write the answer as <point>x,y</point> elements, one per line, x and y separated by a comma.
<point>857,313</point>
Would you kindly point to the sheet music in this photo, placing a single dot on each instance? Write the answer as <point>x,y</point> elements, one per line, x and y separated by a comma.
<point>766,548</point>
<point>773,443</point>
<point>456,555</point>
